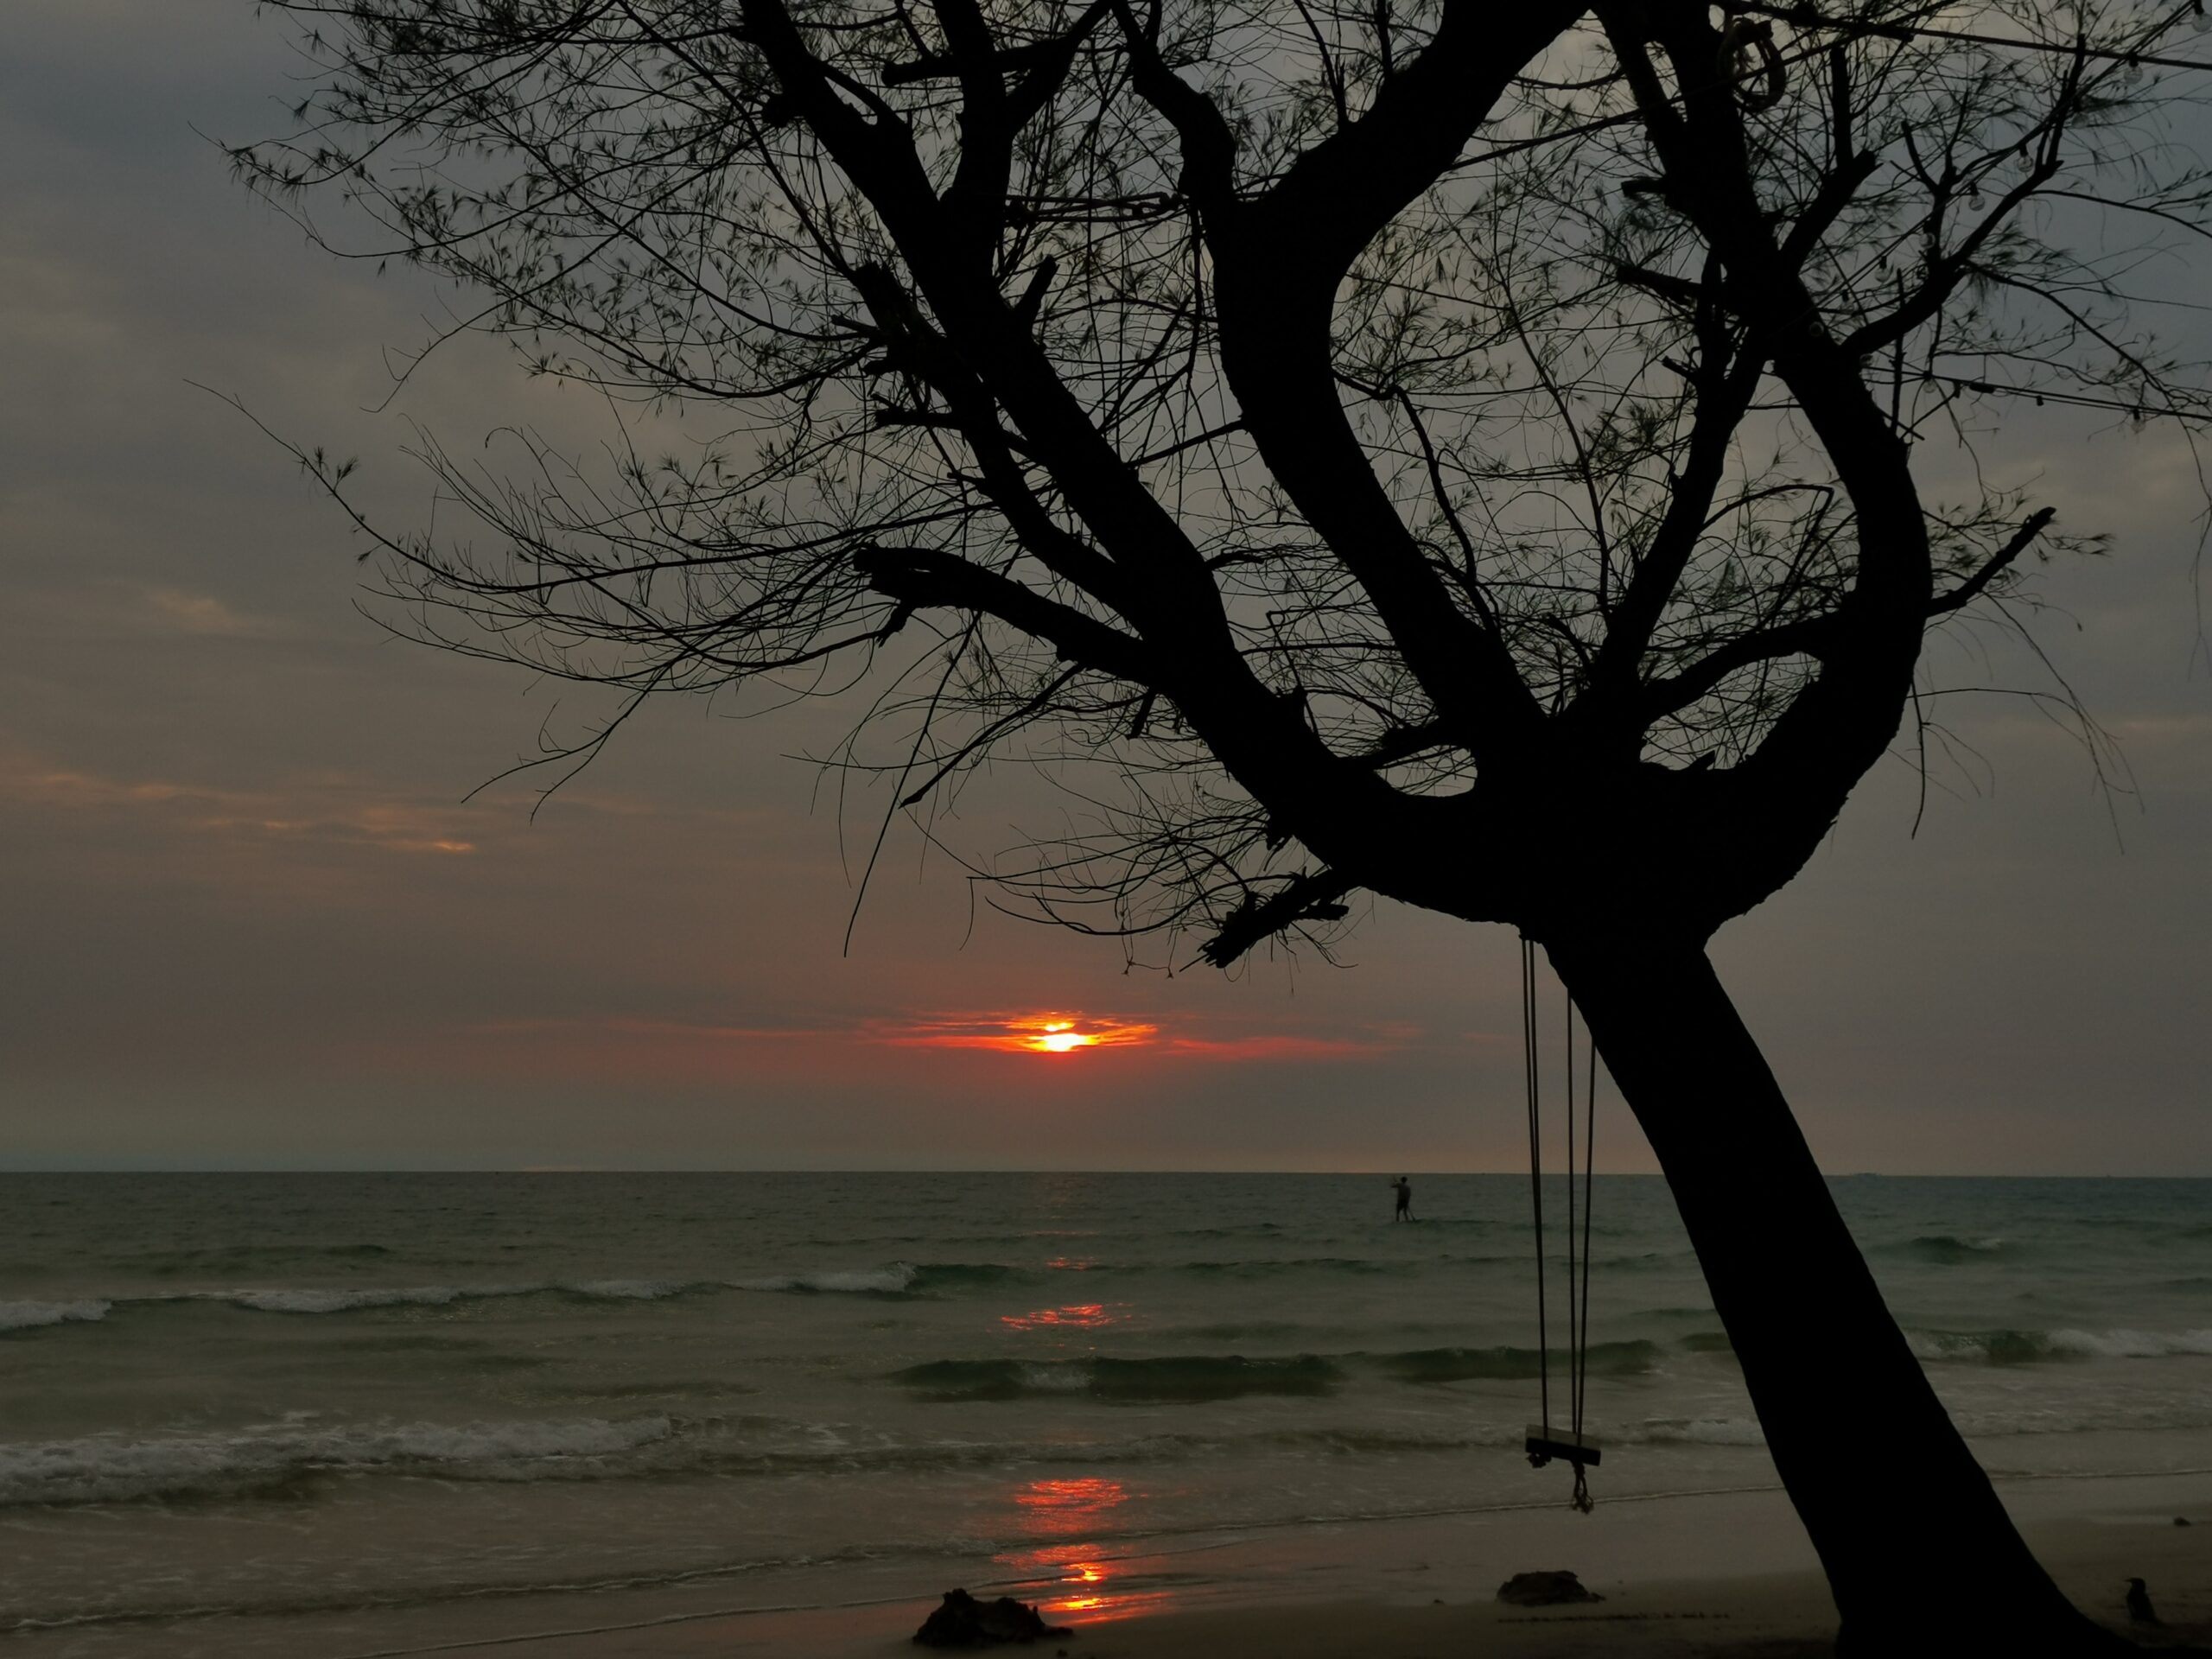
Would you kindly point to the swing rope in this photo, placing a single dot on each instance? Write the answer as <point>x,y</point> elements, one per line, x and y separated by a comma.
<point>1578,1250</point>
<point>1578,1307</point>
<point>1536,1168</point>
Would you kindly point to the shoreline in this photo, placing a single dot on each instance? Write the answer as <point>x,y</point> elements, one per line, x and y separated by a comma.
<point>1714,1573</point>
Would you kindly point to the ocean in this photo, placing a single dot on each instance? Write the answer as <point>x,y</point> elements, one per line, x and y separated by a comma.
<point>231,1396</point>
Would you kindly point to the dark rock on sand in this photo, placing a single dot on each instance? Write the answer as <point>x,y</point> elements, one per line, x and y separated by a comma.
<point>961,1621</point>
<point>1544,1590</point>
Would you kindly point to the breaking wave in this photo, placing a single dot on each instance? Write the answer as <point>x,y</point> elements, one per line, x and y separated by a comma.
<point>30,1316</point>
<point>1947,1249</point>
<point>898,1279</point>
<point>2033,1347</point>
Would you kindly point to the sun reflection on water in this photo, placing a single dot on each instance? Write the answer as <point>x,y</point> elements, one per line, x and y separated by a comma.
<point>1071,1316</point>
<point>1075,1579</point>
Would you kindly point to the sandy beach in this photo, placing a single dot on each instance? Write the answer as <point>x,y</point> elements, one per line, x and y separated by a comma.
<point>1718,1573</point>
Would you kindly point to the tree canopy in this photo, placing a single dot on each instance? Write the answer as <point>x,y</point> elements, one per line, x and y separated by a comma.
<point>1459,452</point>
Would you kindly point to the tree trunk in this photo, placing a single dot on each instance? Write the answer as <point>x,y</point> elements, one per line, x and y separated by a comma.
<point>1920,1553</point>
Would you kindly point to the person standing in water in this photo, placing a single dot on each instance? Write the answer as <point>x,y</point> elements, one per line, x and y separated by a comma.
<point>1404,1189</point>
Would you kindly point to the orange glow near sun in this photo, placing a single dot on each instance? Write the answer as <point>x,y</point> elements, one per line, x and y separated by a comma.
<point>1063,1033</point>
<point>1055,1032</point>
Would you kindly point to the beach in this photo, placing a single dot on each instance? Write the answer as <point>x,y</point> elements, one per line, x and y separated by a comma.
<point>333,1416</point>
<point>1724,1574</point>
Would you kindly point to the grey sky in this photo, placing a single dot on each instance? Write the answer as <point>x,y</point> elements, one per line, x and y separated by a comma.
<point>250,921</point>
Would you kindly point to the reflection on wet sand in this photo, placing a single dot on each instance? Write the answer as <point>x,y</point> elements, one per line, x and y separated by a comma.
<point>1074,1580</point>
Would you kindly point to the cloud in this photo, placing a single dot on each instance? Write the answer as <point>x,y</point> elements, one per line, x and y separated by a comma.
<point>672,1030</point>
<point>261,816</point>
<point>204,614</point>
<point>685,1044</point>
<point>1284,1046</point>
<point>1057,1032</point>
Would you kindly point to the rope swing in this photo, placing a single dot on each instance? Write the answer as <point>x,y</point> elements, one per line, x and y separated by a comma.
<point>1542,1445</point>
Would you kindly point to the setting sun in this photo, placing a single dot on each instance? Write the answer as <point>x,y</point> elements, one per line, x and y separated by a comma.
<point>1052,1032</point>
<point>1063,1033</point>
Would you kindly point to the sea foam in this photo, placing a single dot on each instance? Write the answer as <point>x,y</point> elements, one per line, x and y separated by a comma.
<point>27,1316</point>
<point>2030,1347</point>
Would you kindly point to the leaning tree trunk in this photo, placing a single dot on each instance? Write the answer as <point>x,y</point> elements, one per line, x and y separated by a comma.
<point>1920,1553</point>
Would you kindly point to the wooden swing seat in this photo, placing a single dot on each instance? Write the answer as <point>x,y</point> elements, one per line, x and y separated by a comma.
<point>1542,1448</point>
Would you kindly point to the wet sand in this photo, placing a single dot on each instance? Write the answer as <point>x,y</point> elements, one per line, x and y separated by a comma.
<point>2093,1535</point>
<point>1721,1573</point>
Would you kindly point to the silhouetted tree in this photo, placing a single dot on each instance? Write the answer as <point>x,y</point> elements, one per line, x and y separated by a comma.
<point>1449,450</point>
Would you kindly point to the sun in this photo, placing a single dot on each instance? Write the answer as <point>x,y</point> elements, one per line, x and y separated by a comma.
<point>1060,1037</point>
<point>1069,1033</point>
<point>1048,1031</point>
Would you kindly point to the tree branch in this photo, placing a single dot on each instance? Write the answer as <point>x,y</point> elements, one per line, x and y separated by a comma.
<point>928,580</point>
<point>1315,897</point>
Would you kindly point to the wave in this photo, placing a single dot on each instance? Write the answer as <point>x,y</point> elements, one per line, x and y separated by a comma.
<point>1247,1331</point>
<point>897,1279</point>
<point>233,1258</point>
<point>31,1316</point>
<point>2033,1347</point>
<point>924,1279</point>
<point>290,1299</point>
<point>277,1458</point>
<point>1947,1249</point>
<point>1690,1431</point>
<point>891,1280</point>
<point>1190,1378</point>
<point>1199,1377</point>
<point>1467,1364</point>
<point>1361,1266</point>
<point>1267,1268</point>
<point>1641,1261</point>
<point>308,1299</point>
<point>955,1275</point>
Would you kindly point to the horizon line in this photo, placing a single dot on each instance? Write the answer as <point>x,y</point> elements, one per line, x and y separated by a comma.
<point>1379,1171</point>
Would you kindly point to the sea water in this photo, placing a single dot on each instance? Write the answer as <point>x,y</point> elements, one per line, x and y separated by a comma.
<point>244,1396</point>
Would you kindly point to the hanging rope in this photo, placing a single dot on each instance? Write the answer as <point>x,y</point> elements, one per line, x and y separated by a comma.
<point>1578,1297</point>
<point>1542,1450</point>
<point>1536,1171</point>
